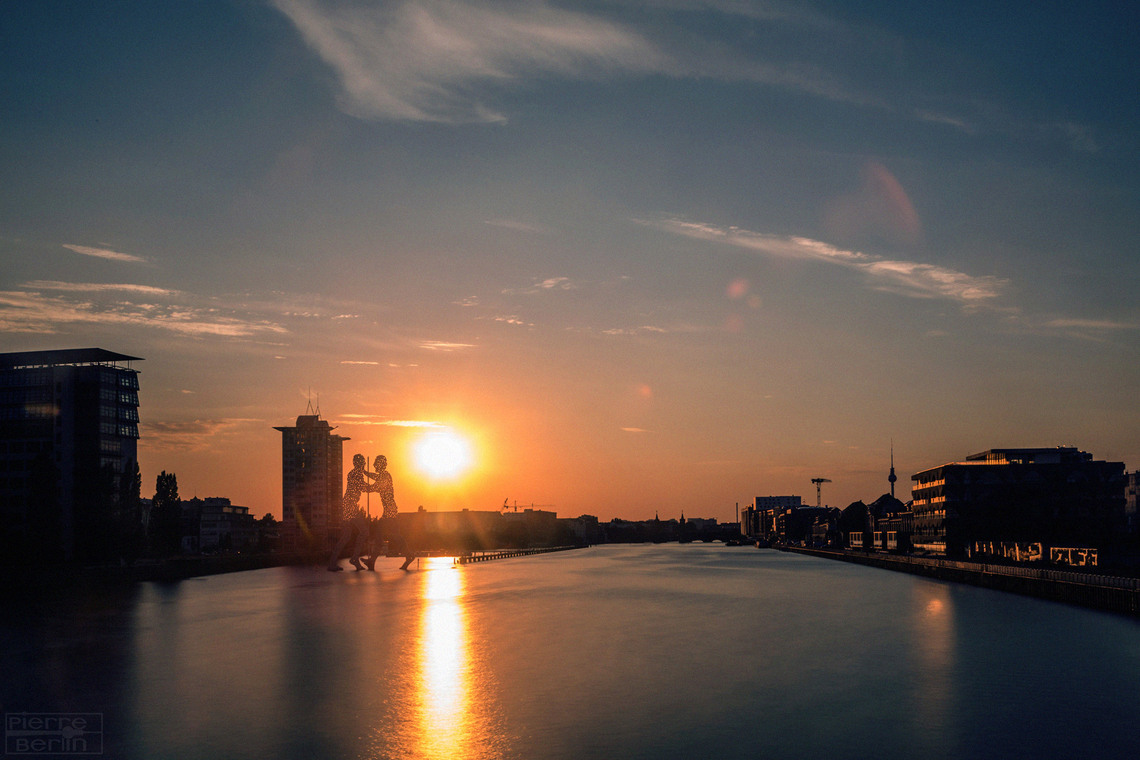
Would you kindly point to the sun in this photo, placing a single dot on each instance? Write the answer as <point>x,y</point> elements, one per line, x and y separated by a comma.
<point>442,455</point>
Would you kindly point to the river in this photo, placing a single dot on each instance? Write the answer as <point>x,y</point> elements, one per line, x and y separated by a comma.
<point>621,651</point>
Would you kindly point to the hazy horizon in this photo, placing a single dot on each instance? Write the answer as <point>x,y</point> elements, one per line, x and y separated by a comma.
<point>642,258</point>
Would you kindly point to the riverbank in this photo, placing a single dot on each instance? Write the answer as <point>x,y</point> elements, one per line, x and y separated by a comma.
<point>19,580</point>
<point>1102,592</point>
<point>32,580</point>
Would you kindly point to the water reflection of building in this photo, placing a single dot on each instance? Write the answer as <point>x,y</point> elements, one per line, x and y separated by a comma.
<point>1131,494</point>
<point>1051,495</point>
<point>69,425</point>
<point>933,649</point>
<point>311,481</point>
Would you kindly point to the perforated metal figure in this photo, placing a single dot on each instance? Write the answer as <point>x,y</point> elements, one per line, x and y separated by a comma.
<point>383,485</point>
<point>353,521</point>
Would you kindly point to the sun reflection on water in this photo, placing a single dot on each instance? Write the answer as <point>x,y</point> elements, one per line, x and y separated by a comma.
<point>442,663</point>
<point>450,721</point>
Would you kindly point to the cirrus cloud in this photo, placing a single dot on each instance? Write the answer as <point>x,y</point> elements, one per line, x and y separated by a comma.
<point>428,60</point>
<point>909,278</point>
<point>105,253</point>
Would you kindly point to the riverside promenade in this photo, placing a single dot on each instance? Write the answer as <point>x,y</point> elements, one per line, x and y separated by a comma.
<point>1103,592</point>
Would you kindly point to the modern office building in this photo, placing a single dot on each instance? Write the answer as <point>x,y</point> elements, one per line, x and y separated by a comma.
<point>69,426</point>
<point>312,478</point>
<point>760,520</point>
<point>214,524</point>
<point>1054,496</point>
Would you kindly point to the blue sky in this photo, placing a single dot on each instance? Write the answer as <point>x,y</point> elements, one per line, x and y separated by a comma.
<point>645,256</point>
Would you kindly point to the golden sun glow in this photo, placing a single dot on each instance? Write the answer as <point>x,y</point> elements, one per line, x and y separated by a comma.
<point>443,454</point>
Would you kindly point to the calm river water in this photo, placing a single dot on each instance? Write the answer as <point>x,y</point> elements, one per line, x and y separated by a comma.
<point>629,651</point>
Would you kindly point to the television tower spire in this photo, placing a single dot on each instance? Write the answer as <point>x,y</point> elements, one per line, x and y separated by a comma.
<point>892,477</point>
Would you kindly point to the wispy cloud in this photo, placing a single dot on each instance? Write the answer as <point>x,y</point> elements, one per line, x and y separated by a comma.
<point>190,435</point>
<point>98,287</point>
<point>550,283</point>
<point>652,329</point>
<point>1092,324</point>
<point>441,345</point>
<point>512,319</point>
<point>448,60</point>
<point>369,364</point>
<point>909,278</point>
<point>105,253</point>
<point>1091,330</point>
<point>429,60</point>
<point>374,419</point>
<point>37,311</point>
<point>440,60</point>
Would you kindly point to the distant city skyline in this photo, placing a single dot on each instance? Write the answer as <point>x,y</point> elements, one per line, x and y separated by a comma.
<point>639,258</point>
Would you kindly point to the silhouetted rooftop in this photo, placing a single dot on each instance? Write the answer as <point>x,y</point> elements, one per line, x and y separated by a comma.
<point>63,357</point>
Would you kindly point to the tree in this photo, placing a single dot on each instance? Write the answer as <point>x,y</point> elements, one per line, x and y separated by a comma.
<point>267,533</point>
<point>166,515</point>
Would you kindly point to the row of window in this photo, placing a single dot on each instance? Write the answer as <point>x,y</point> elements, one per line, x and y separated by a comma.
<point>122,430</point>
<point>26,396</point>
<point>130,413</point>
<point>26,377</point>
<point>27,412</point>
<point>124,394</point>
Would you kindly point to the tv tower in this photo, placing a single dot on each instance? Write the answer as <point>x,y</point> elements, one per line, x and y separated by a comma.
<point>892,477</point>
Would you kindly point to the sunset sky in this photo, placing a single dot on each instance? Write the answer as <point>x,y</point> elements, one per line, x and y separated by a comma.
<point>642,256</point>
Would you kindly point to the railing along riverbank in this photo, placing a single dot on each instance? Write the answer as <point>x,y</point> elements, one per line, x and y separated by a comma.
<point>487,556</point>
<point>1104,592</point>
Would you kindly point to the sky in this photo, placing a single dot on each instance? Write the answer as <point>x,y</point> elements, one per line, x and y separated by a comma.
<point>641,257</point>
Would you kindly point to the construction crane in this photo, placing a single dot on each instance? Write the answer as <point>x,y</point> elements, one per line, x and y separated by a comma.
<point>507,507</point>
<point>819,489</point>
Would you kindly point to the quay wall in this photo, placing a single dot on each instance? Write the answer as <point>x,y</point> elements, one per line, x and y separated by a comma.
<point>1103,592</point>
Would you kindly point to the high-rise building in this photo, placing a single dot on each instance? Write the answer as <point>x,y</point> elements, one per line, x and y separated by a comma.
<point>311,479</point>
<point>69,426</point>
<point>1056,496</point>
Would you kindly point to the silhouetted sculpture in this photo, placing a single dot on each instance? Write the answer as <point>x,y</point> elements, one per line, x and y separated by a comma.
<point>352,517</point>
<point>383,485</point>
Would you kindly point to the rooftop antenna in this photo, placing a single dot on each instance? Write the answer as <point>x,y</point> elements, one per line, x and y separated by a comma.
<point>309,406</point>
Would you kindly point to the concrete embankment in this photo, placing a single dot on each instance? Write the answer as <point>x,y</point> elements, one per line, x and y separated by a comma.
<point>1103,592</point>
